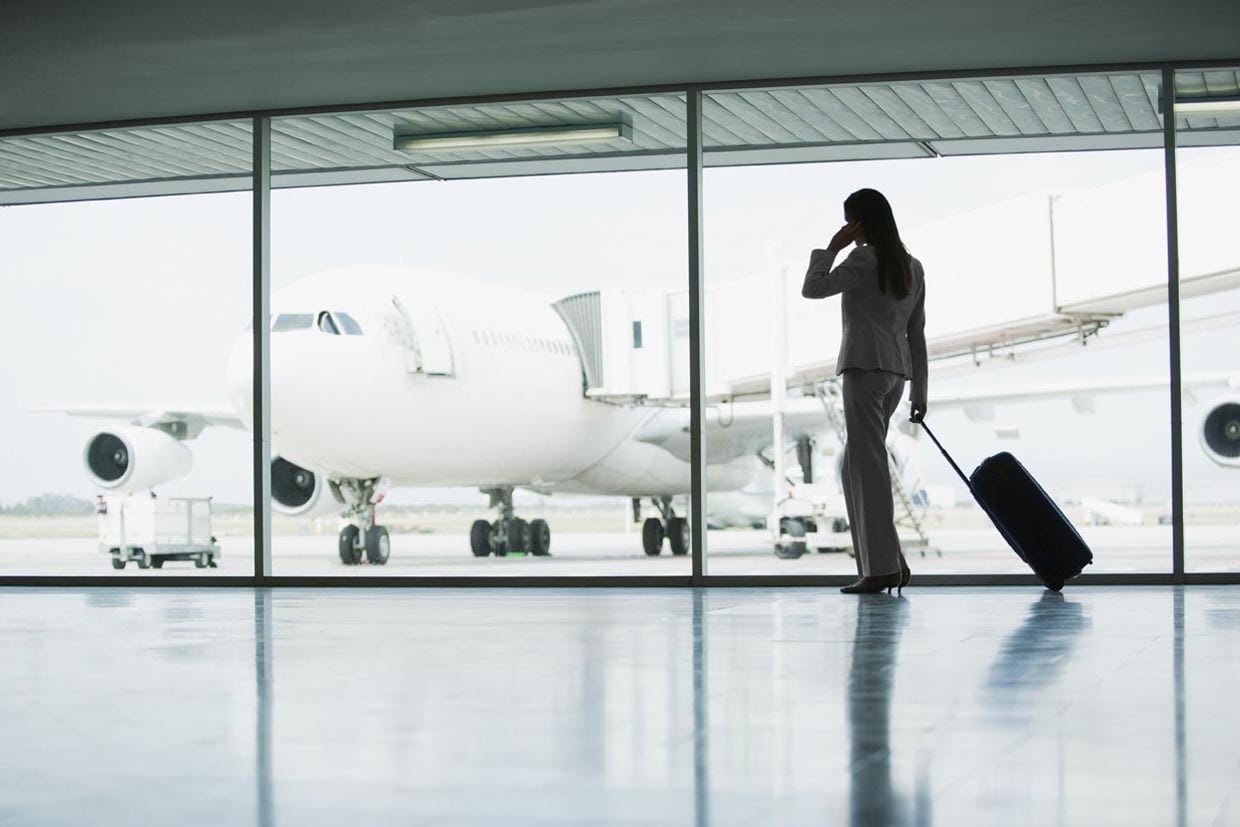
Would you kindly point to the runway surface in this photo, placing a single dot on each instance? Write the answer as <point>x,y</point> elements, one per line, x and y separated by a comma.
<point>955,550</point>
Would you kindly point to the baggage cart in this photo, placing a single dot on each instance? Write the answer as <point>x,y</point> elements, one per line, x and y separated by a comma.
<point>150,531</point>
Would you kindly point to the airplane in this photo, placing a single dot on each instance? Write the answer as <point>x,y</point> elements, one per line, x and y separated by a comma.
<point>390,376</point>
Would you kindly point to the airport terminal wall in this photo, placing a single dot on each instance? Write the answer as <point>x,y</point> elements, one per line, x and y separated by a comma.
<point>480,336</point>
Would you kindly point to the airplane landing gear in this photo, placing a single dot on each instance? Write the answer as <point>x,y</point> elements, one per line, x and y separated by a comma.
<point>362,536</point>
<point>509,534</point>
<point>675,529</point>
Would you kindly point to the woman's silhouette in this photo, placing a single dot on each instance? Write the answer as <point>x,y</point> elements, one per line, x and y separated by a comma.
<point>883,345</point>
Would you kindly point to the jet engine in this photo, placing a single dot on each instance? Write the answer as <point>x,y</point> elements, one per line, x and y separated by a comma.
<point>1220,433</point>
<point>133,459</point>
<point>298,492</point>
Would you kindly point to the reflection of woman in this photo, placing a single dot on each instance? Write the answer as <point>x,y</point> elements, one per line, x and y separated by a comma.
<point>872,797</point>
<point>883,344</point>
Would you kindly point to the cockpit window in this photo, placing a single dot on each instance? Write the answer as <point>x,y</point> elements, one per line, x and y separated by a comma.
<point>327,325</point>
<point>348,325</point>
<point>293,321</point>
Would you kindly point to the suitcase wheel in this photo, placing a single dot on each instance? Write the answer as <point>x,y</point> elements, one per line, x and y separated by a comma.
<point>1051,582</point>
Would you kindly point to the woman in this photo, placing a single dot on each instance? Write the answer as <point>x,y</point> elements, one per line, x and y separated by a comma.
<point>883,345</point>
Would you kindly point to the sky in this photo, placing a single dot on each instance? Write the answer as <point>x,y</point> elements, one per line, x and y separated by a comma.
<point>139,301</point>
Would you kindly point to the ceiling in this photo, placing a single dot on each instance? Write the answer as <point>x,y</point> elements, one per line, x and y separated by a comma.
<point>791,124</point>
<point>84,61</point>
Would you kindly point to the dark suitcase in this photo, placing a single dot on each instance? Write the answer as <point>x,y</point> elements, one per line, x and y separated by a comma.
<point>1027,518</point>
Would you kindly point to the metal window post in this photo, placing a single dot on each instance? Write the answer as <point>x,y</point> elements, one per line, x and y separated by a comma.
<point>261,369</point>
<point>697,405</point>
<point>1173,325</point>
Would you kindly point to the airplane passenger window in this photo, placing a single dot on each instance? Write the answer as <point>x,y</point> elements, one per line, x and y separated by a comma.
<point>348,325</point>
<point>327,325</point>
<point>292,321</point>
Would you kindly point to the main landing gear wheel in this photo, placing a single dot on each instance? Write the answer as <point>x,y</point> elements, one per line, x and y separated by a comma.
<point>480,538</point>
<point>378,545</point>
<point>509,534</point>
<point>678,535</point>
<point>539,538</point>
<point>652,536</point>
<point>350,553</point>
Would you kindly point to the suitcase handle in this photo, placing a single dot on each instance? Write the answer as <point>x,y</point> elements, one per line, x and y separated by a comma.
<point>946,455</point>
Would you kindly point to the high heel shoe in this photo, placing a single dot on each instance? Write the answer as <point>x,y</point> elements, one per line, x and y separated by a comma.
<point>874,585</point>
<point>906,574</point>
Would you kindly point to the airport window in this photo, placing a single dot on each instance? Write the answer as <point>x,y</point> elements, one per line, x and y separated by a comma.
<point>642,195</point>
<point>1207,120</point>
<point>348,325</point>
<point>292,321</point>
<point>1026,163</point>
<point>96,474</point>
<point>1083,202</point>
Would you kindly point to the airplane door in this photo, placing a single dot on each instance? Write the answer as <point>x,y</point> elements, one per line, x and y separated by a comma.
<point>424,338</point>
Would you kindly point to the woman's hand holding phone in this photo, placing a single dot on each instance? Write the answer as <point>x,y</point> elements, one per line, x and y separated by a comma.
<point>844,236</point>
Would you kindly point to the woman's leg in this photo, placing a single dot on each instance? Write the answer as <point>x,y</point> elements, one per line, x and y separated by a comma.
<point>851,510</point>
<point>867,396</point>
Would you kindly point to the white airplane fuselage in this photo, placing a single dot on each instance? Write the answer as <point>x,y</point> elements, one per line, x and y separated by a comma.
<point>452,382</point>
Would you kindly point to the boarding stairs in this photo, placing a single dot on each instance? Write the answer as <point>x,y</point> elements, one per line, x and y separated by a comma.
<point>909,515</point>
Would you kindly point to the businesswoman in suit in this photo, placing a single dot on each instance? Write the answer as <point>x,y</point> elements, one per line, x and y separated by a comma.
<point>883,346</point>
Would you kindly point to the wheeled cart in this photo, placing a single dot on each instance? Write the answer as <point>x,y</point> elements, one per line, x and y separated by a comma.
<point>151,530</point>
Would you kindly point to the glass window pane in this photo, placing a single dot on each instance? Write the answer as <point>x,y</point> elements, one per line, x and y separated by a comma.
<point>1207,180</point>
<point>125,430</point>
<point>1037,207</point>
<point>456,430</point>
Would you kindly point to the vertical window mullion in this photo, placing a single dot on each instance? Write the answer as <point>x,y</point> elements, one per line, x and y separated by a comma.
<point>261,323</point>
<point>1173,324</point>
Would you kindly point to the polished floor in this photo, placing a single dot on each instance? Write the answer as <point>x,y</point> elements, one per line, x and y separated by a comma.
<point>996,706</point>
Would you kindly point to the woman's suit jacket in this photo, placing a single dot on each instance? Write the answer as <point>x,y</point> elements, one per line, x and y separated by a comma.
<point>880,331</point>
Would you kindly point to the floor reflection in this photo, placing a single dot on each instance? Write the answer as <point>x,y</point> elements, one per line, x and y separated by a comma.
<point>872,797</point>
<point>1035,654</point>
<point>263,679</point>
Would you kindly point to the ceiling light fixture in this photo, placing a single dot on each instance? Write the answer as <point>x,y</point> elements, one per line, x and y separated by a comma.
<point>1208,106</point>
<point>523,136</point>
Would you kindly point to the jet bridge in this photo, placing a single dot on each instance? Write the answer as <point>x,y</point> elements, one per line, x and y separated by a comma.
<point>625,343</point>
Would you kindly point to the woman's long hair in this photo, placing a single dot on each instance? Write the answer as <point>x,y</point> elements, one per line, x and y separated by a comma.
<point>872,210</point>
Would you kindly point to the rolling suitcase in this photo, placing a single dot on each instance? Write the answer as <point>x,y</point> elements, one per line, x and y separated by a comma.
<point>1027,518</point>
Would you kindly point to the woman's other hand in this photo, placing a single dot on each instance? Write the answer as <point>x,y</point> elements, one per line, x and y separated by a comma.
<point>916,411</point>
<point>844,236</point>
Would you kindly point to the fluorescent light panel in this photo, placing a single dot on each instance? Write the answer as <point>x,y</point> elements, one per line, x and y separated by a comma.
<point>524,136</point>
<point>1207,106</point>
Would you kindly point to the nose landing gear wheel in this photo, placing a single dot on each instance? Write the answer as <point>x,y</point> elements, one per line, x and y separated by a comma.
<point>480,538</point>
<point>652,536</point>
<point>539,538</point>
<point>350,554</point>
<point>678,535</point>
<point>378,545</point>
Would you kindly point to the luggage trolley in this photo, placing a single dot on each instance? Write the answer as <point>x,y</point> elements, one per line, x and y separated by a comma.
<point>152,530</point>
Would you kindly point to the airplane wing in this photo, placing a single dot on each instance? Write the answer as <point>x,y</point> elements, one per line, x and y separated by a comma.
<point>191,419</point>
<point>733,429</point>
<point>1072,324</point>
<point>736,429</point>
